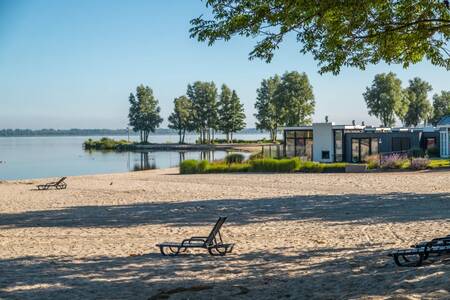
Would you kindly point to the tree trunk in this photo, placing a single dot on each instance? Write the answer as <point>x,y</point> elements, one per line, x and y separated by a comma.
<point>179,136</point>
<point>145,136</point>
<point>231,137</point>
<point>273,135</point>
<point>184,135</point>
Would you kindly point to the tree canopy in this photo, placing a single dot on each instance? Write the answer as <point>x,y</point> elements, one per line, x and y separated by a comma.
<point>419,107</point>
<point>267,116</point>
<point>181,119</point>
<point>204,104</point>
<point>386,99</point>
<point>284,101</point>
<point>144,112</point>
<point>295,99</point>
<point>336,33</point>
<point>231,112</point>
<point>441,105</point>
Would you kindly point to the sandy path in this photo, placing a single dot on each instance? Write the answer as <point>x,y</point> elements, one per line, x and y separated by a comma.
<point>297,235</point>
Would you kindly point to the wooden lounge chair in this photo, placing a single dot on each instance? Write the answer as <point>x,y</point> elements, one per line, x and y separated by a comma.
<point>417,254</point>
<point>58,185</point>
<point>213,243</point>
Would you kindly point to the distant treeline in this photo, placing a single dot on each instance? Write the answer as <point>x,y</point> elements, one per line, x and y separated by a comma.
<point>88,132</point>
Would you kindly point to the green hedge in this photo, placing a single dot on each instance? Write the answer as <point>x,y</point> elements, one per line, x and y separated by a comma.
<point>285,165</point>
<point>191,166</point>
<point>275,165</point>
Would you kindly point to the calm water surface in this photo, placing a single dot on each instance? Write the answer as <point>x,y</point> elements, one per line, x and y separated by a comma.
<point>37,157</point>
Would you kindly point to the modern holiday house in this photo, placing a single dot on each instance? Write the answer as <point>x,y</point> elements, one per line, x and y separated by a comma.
<point>328,142</point>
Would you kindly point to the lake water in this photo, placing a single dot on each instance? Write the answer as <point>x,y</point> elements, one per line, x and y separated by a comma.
<point>37,157</point>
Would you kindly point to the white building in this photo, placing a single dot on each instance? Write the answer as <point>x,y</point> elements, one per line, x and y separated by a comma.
<point>444,125</point>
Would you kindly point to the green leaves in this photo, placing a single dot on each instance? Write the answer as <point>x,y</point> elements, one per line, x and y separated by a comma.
<point>441,106</point>
<point>336,33</point>
<point>267,117</point>
<point>181,119</point>
<point>419,107</point>
<point>144,112</point>
<point>385,99</point>
<point>295,99</point>
<point>231,112</point>
<point>285,101</point>
<point>204,105</point>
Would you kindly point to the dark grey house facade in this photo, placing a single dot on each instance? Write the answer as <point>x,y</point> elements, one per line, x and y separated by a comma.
<point>327,142</point>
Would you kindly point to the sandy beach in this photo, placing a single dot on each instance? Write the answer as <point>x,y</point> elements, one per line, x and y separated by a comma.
<point>297,236</point>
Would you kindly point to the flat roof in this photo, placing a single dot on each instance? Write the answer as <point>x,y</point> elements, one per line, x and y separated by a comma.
<point>366,128</point>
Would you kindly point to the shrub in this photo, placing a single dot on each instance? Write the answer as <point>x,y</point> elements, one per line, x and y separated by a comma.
<point>311,167</point>
<point>234,158</point>
<point>105,144</point>
<point>433,151</point>
<point>439,163</point>
<point>419,163</point>
<point>373,161</point>
<point>416,152</point>
<point>394,161</point>
<point>220,167</point>
<point>334,167</point>
<point>202,166</point>
<point>189,166</point>
<point>275,165</point>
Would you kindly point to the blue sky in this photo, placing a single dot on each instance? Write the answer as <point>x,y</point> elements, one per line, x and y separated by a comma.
<point>72,64</point>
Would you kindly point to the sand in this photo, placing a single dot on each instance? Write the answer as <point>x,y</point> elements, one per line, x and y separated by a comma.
<point>298,236</point>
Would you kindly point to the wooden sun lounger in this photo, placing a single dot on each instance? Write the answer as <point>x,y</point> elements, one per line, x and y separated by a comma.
<point>58,185</point>
<point>213,243</point>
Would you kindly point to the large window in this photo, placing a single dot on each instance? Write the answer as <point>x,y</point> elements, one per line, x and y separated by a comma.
<point>290,147</point>
<point>374,145</point>
<point>401,144</point>
<point>299,143</point>
<point>363,147</point>
<point>355,150</point>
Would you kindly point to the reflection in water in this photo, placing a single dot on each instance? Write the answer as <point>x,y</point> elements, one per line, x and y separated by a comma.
<point>204,155</point>
<point>146,162</point>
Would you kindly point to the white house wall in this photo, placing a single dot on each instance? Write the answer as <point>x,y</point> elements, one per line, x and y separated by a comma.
<point>323,141</point>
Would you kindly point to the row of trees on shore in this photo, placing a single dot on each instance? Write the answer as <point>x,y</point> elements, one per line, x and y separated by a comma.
<point>387,100</point>
<point>285,100</point>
